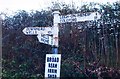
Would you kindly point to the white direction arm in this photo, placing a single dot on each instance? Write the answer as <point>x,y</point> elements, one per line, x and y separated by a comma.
<point>80,17</point>
<point>46,39</point>
<point>37,30</point>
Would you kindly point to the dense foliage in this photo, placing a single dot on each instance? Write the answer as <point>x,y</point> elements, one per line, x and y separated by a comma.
<point>84,46</point>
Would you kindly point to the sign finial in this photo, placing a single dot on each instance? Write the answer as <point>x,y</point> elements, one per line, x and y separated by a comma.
<point>56,6</point>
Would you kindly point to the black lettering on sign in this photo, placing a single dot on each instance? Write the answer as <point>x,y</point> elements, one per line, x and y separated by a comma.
<point>31,28</point>
<point>55,76</point>
<point>43,28</point>
<point>49,70</point>
<point>35,32</point>
<point>55,71</point>
<point>52,70</point>
<point>52,65</point>
<point>49,65</point>
<point>35,29</point>
<point>42,35</point>
<point>52,59</point>
<point>45,40</point>
<point>55,65</point>
<point>57,59</point>
<point>48,59</point>
<point>52,76</point>
<point>42,39</point>
<point>28,31</point>
<point>49,76</point>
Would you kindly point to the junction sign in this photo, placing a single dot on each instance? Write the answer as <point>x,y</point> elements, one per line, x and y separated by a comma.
<point>49,36</point>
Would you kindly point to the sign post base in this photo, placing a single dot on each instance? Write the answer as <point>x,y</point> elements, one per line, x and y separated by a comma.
<point>54,50</point>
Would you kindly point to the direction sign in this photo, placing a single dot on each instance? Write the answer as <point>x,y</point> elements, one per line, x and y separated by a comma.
<point>79,17</point>
<point>52,66</point>
<point>37,30</point>
<point>46,39</point>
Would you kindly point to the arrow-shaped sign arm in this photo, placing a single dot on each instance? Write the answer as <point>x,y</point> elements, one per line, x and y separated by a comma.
<point>37,30</point>
<point>29,31</point>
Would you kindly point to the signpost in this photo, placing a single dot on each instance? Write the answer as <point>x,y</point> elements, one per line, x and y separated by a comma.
<point>52,66</point>
<point>49,35</point>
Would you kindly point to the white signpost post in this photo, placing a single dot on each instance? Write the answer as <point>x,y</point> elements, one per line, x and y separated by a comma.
<point>49,35</point>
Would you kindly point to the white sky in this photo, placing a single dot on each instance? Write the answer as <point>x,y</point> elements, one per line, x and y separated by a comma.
<point>13,5</point>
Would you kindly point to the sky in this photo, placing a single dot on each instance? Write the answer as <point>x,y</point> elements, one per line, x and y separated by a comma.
<point>10,6</point>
